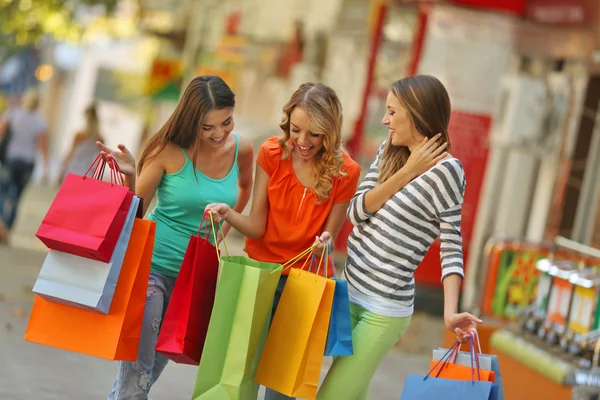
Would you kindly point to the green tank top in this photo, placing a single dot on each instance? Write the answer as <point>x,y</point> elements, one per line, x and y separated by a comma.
<point>181,200</point>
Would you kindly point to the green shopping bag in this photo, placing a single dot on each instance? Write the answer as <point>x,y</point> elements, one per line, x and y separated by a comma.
<point>238,330</point>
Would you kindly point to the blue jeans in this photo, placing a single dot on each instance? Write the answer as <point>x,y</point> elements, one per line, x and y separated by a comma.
<point>11,189</point>
<point>270,394</point>
<point>134,379</point>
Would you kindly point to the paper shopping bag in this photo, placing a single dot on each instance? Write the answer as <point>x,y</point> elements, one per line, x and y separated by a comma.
<point>293,355</point>
<point>114,336</point>
<point>418,388</point>
<point>86,216</point>
<point>184,327</point>
<point>82,282</point>
<point>339,336</point>
<point>238,330</point>
<point>447,366</point>
<point>486,362</point>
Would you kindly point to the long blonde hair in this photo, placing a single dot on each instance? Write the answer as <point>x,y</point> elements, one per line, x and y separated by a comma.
<point>427,102</point>
<point>324,111</point>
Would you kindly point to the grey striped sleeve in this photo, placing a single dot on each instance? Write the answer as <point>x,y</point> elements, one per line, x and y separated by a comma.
<point>356,212</point>
<point>451,253</point>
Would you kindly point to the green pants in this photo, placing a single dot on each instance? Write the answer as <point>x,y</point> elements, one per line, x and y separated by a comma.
<point>372,336</point>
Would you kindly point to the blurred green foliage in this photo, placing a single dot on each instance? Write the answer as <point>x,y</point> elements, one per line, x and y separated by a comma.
<point>25,22</point>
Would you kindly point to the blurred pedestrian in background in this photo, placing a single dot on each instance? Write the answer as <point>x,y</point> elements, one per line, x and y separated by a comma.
<point>83,149</point>
<point>23,133</point>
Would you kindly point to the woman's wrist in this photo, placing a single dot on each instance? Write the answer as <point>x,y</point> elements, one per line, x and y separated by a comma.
<point>229,211</point>
<point>403,178</point>
<point>130,182</point>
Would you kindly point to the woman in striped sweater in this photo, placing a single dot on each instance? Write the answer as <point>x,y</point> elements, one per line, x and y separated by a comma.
<point>412,193</point>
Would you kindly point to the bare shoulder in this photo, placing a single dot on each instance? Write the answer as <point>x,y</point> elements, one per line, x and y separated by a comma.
<point>246,149</point>
<point>170,158</point>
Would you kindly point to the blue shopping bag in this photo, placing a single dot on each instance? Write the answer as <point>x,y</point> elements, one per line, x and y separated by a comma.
<point>488,362</point>
<point>430,387</point>
<point>498,394</point>
<point>339,336</point>
<point>417,388</point>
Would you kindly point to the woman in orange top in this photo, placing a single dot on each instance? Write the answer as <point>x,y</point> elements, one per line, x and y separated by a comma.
<point>304,182</point>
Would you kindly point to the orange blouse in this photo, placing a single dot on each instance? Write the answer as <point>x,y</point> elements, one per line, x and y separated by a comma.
<point>294,217</point>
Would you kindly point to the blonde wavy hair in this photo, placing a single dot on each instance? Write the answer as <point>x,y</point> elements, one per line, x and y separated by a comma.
<point>427,102</point>
<point>324,111</point>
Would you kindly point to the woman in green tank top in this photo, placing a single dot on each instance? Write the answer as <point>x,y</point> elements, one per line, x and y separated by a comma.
<point>195,159</point>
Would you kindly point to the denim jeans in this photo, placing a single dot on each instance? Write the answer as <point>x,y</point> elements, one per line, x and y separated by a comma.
<point>18,174</point>
<point>134,379</point>
<point>270,394</point>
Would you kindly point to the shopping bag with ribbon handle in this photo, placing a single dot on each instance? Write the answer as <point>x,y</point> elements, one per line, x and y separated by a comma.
<point>238,329</point>
<point>87,214</point>
<point>81,282</point>
<point>184,327</point>
<point>339,336</point>
<point>486,362</point>
<point>293,355</point>
<point>433,387</point>
<point>450,370</point>
<point>115,336</point>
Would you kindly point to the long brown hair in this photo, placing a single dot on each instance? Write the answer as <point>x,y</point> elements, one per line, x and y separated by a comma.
<point>427,102</point>
<point>203,94</point>
<point>92,124</point>
<point>324,111</point>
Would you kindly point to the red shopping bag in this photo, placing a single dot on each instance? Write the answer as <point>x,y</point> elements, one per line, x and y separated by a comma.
<point>87,214</point>
<point>185,324</point>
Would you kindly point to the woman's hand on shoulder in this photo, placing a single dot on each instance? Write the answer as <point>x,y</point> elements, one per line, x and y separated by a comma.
<point>426,155</point>
<point>122,156</point>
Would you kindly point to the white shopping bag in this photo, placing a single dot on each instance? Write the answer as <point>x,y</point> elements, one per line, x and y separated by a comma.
<point>82,282</point>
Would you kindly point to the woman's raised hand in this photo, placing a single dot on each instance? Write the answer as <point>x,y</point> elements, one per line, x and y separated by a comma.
<point>428,153</point>
<point>122,156</point>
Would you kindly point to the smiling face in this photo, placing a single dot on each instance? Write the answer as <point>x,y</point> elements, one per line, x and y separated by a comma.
<point>307,144</point>
<point>401,129</point>
<point>217,127</point>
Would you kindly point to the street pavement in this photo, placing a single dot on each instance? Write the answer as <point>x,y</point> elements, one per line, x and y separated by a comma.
<point>30,371</point>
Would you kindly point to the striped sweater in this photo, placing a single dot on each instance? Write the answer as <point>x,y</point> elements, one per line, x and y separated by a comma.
<point>385,248</point>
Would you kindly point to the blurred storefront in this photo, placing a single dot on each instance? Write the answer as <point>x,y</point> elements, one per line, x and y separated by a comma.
<point>496,59</point>
<point>516,71</point>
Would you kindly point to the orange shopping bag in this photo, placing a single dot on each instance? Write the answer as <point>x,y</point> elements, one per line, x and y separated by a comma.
<point>114,336</point>
<point>447,369</point>
<point>293,354</point>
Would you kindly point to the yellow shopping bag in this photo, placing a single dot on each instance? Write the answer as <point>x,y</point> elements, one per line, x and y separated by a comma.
<point>293,355</point>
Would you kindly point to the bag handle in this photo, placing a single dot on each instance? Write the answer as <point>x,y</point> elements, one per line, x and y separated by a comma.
<point>99,165</point>
<point>475,334</point>
<point>98,161</point>
<point>452,351</point>
<point>288,264</point>
<point>206,221</point>
<point>328,261</point>
<point>443,360</point>
<point>474,358</point>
